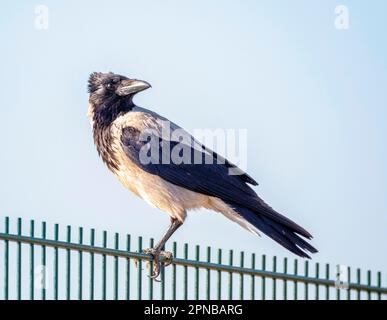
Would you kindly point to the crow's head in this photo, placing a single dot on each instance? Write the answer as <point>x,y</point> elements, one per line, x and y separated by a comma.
<point>111,94</point>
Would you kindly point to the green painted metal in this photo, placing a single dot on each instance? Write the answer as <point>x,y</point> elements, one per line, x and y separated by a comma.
<point>162,284</point>
<point>349,280</point>
<point>252,277</point>
<point>197,257</point>
<point>32,261</point>
<point>295,282</point>
<point>274,279</point>
<point>56,263</point>
<point>358,282</point>
<point>174,252</point>
<point>185,289</point>
<point>116,272</point>
<point>219,276</point>
<point>150,288</point>
<point>263,277</point>
<point>230,281</point>
<point>21,265</point>
<point>68,265</point>
<point>139,270</point>
<point>19,259</point>
<point>327,276</point>
<point>6,261</point>
<point>127,283</point>
<point>80,265</point>
<point>91,284</point>
<point>208,278</point>
<point>306,295</point>
<point>317,275</point>
<point>44,264</point>
<point>241,278</point>
<point>104,245</point>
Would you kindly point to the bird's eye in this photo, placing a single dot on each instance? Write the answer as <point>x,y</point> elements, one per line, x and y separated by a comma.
<point>109,86</point>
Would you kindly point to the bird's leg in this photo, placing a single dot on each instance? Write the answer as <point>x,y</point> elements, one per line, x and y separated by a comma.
<point>157,251</point>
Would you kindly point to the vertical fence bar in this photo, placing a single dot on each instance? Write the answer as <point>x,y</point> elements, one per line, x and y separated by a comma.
<point>241,284</point>
<point>197,258</point>
<point>295,281</point>
<point>208,278</point>
<point>327,277</point>
<point>44,281</point>
<point>150,279</point>
<point>274,280</point>
<point>162,278</point>
<point>80,265</point>
<point>92,243</point>
<point>56,262</point>
<point>230,283</point>
<point>317,293</point>
<point>252,278</point>
<point>306,295</point>
<point>104,244</point>
<point>116,275</point>
<point>358,280</point>
<point>6,260</point>
<point>19,260</point>
<point>185,272</point>
<point>369,284</point>
<point>338,295</point>
<point>219,277</point>
<point>127,282</point>
<point>68,265</point>
<point>139,270</point>
<point>263,278</point>
<point>349,282</point>
<point>174,251</point>
<point>32,262</point>
<point>285,294</point>
<point>379,285</point>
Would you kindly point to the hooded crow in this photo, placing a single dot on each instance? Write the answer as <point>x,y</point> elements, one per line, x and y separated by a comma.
<point>133,144</point>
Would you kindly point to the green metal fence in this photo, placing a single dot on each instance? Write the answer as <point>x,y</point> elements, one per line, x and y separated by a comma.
<point>44,263</point>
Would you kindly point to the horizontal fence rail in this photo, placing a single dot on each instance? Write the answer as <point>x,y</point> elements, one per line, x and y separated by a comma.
<point>68,269</point>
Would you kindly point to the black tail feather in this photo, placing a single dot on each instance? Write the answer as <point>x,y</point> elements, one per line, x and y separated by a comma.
<point>283,234</point>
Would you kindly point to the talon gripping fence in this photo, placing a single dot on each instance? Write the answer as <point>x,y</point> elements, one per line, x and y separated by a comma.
<point>37,262</point>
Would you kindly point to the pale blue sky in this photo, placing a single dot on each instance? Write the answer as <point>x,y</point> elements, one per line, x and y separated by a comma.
<point>313,100</point>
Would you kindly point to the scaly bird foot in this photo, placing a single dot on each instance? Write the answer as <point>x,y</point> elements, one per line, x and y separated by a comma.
<point>156,254</point>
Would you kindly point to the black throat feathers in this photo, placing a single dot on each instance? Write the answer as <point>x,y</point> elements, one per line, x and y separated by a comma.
<point>103,118</point>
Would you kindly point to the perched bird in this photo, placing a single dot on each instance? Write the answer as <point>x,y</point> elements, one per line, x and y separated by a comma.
<point>132,143</point>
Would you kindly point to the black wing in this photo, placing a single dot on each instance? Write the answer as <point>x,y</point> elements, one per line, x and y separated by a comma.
<point>207,177</point>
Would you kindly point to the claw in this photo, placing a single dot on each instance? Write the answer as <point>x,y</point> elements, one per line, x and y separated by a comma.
<point>156,262</point>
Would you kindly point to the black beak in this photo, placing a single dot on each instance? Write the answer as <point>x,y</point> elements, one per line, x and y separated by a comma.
<point>131,86</point>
